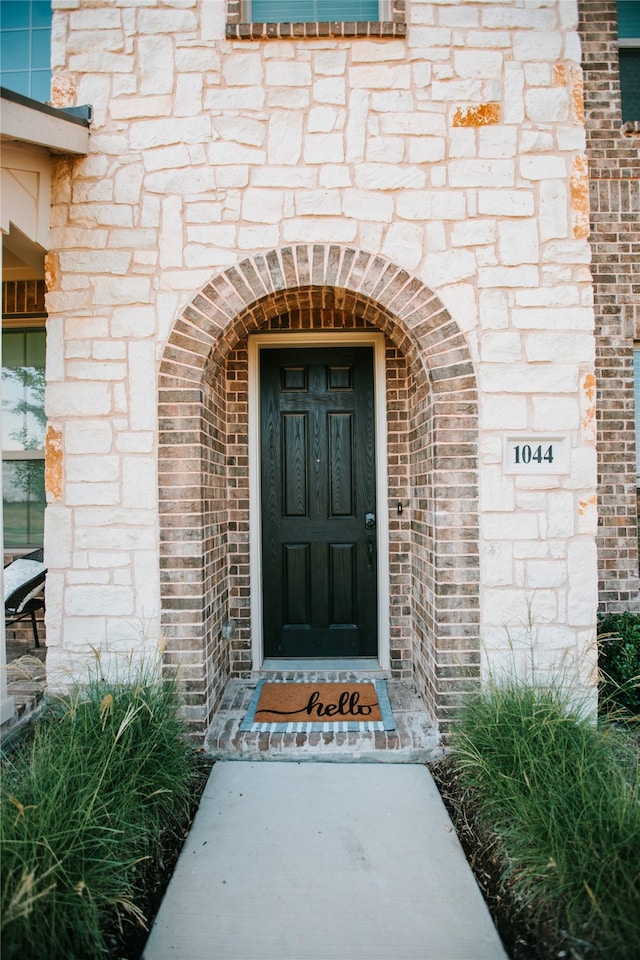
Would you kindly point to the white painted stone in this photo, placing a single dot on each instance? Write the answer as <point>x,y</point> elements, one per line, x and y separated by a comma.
<point>258,238</point>
<point>497,141</point>
<point>234,98</point>
<point>425,150</point>
<point>76,399</point>
<point>535,167</point>
<point>322,119</point>
<point>471,233</point>
<point>546,105</point>
<point>523,276</point>
<point>449,267</point>
<point>356,129</point>
<point>93,469</point>
<point>481,173</point>
<point>553,414</point>
<point>330,63</point>
<point>496,563</point>
<point>380,77</point>
<point>582,580</point>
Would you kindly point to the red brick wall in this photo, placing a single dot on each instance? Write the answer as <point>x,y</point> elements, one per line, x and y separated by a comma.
<point>614,170</point>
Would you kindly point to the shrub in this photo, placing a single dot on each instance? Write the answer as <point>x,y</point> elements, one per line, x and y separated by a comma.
<point>619,661</point>
<point>83,805</point>
<point>560,795</point>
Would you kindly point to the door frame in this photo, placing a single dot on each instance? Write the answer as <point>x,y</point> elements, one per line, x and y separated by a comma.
<point>256,343</point>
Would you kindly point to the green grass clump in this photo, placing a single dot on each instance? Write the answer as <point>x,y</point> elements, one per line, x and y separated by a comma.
<point>84,804</point>
<point>619,662</point>
<point>561,796</point>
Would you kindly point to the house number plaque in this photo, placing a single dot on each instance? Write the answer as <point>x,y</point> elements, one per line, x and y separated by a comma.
<point>536,454</point>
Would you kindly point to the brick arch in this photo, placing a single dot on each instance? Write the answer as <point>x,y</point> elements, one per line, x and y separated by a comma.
<point>203,474</point>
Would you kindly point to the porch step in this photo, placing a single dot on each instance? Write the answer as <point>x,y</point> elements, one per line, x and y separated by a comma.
<point>415,739</point>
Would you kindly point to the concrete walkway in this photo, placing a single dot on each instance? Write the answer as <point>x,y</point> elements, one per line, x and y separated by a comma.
<point>322,861</point>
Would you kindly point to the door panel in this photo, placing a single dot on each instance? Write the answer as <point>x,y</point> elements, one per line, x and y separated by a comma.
<point>318,485</point>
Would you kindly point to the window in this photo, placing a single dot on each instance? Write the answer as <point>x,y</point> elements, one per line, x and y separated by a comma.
<point>629,52</point>
<point>23,431</point>
<point>297,19</point>
<point>312,11</point>
<point>25,47</point>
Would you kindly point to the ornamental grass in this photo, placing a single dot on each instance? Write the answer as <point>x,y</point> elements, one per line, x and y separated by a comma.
<point>84,805</point>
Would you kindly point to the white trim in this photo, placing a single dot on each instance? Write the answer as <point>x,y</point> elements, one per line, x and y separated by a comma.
<point>318,339</point>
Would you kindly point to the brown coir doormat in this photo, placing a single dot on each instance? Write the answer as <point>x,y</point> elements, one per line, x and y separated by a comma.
<point>319,706</point>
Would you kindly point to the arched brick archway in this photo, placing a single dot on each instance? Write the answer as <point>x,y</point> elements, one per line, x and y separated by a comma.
<point>204,479</point>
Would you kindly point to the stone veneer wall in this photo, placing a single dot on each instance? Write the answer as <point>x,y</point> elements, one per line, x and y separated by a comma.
<point>431,186</point>
<point>614,171</point>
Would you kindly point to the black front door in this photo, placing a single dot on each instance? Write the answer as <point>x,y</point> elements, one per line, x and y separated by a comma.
<point>318,502</point>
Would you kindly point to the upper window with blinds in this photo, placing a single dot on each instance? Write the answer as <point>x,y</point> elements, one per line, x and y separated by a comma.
<point>629,52</point>
<point>278,19</point>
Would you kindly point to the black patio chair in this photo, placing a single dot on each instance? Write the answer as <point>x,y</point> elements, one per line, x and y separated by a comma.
<point>24,590</point>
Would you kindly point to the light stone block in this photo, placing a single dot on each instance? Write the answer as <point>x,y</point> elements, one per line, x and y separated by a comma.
<point>478,63</point>
<point>380,77</point>
<point>518,242</point>
<point>496,490</point>
<point>330,90</point>
<point>58,536</point>
<point>506,203</point>
<point>583,581</point>
<point>551,414</point>
<point>563,347</point>
<point>103,600</point>
<point>158,133</point>
<point>322,119</point>
<point>382,176</point>
<point>404,244</point>
<point>356,129</point>
<point>79,469</point>
<point>571,318</point>
<point>139,483</point>
<point>560,516</point>
<point>167,21</point>
<point>234,98</point>
<point>258,238</point>
<point>92,494</point>
<point>285,138</point>
<point>553,217</point>
<point>367,205</point>
<point>424,150</point>
<point>188,98</point>
<point>524,276</point>
<point>287,74</point>
<point>317,203</point>
<point>142,385</point>
<point>535,167</point>
<point>542,574</point>
<point>75,399</point>
<point>129,322</point>
<point>330,63</point>
<point>501,347</point>
<point>497,141</point>
<point>324,148</point>
<point>496,564</point>
<point>500,413</point>
<point>521,378</point>
<point>121,291</point>
<point>547,105</point>
<point>471,233</point>
<point>449,267</point>
<point>367,52</point>
<point>155,65</point>
<point>262,206</point>
<point>327,230</point>
<point>481,173</point>
<point>431,205</point>
<point>536,45</point>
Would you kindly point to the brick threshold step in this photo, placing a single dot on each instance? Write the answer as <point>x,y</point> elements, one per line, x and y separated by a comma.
<point>415,739</point>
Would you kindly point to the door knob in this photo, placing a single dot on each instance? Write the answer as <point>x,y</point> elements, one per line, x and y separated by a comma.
<point>370,521</point>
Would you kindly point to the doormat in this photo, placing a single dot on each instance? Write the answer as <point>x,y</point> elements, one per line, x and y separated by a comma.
<point>319,707</point>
